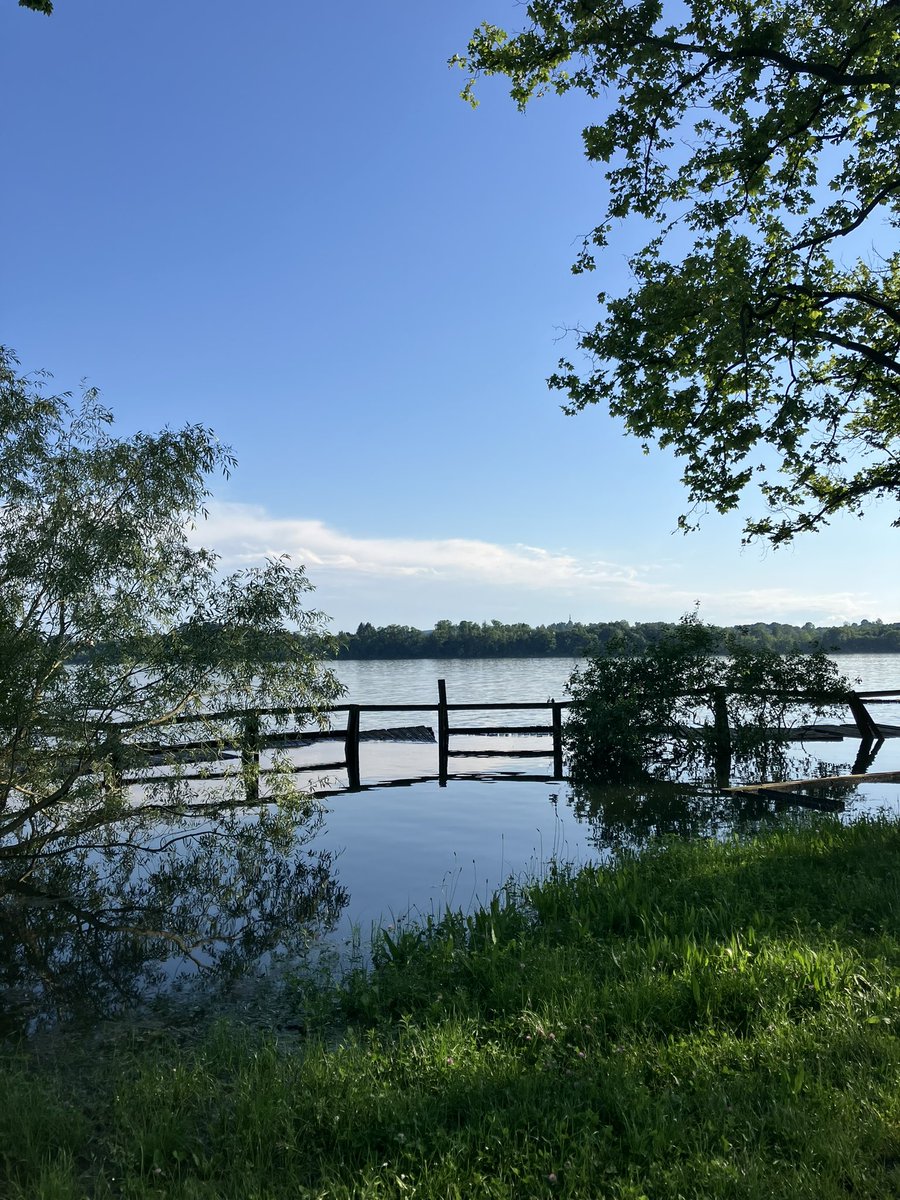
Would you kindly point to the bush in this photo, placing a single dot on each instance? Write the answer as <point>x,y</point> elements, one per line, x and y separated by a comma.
<point>682,710</point>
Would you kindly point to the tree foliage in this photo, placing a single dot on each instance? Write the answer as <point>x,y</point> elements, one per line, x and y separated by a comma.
<point>112,622</point>
<point>572,639</point>
<point>638,717</point>
<point>759,140</point>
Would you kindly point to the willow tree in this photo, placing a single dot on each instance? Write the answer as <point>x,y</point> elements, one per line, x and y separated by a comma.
<point>759,143</point>
<point>113,623</point>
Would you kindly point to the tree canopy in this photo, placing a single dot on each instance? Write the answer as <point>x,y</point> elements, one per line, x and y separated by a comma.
<point>571,639</point>
<point>654,715</point>
<point>112,622</point>
<point>759,141</point>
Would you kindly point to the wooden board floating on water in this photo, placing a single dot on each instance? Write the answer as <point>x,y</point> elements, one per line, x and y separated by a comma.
<point>825,732</point>
<point>818,781</point>
<point>407,733</point>
<point>404,733</point>
<point>822,732</point>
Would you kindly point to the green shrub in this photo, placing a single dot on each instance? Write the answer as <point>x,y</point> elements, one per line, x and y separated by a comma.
<point>684,710</point>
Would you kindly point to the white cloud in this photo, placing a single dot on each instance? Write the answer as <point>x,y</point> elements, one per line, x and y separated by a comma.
<point>413,580</point>
<point>244,534</point>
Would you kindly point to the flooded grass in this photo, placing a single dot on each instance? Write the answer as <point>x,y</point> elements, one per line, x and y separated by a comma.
<point>705,1019</point>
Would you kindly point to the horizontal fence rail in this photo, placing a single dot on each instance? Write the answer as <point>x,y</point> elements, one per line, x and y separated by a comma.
<point>250,738</point>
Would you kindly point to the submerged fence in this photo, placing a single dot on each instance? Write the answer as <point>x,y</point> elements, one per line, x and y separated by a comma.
<point>251,739</point>
<point>353,734</point>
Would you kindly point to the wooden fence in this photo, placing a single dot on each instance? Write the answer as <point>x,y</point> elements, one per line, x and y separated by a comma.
<point>353,734</point>
<point>253,739</point>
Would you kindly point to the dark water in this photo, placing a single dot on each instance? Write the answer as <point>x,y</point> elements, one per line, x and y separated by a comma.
<point>93,933</point>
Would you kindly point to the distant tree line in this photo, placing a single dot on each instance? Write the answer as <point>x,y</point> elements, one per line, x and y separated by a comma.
<point>493,639</point>
<point>565,639</point>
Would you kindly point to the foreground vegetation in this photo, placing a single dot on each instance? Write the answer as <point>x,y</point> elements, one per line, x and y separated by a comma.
<point>703,1020</point>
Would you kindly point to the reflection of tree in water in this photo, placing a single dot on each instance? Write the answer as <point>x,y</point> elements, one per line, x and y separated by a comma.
<point>628,816</point>
<point>93,928</point>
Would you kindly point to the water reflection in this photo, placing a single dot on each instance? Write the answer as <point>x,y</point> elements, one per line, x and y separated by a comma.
<point>93,929</point>
<point>627,817</point>
<point>101,927</point>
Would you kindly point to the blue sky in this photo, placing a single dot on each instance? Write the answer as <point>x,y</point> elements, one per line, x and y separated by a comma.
<point>281,221</point>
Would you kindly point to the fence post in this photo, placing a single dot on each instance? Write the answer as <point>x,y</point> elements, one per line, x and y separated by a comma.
<point>722,735</point>
<point>443,733</point>
<point>868,730</point>
<point>250,756</point>
<point>351,747</point>
<point>557,740</point>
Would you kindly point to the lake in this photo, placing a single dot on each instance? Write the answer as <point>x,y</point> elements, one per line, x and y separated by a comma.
<point>416,849</point>
<point>384,854</point>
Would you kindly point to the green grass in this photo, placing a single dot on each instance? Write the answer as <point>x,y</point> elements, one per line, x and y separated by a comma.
<point>704,1020</point>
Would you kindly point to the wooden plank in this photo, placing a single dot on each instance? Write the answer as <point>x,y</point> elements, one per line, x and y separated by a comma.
<point>491,730</point>
<point>499,753</point>
<point>413,734</point>
<point>233,714</point>
<point>504,704</point>
<point>872,777</point>
<point>300,738</point>
<point>868,730</point>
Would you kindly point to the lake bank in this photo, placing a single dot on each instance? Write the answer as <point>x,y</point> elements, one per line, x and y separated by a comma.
<point>715,1019</point>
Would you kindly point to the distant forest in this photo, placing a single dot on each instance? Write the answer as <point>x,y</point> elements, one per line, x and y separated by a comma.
<point>469,639</point>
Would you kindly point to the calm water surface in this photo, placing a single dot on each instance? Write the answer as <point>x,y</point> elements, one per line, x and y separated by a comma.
<point>418,848</point>
<point>383,854</point>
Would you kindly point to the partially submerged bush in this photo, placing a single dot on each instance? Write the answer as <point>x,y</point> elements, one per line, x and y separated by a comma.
<point>683,709</point>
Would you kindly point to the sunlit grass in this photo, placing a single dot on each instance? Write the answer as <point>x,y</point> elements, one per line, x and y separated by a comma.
<point>704,1020</point>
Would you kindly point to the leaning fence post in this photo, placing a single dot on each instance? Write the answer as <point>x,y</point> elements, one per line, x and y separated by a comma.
<point>557,740</point>
<point>351,747</point>
<point>443,733</point>
<point>250,756</point>
<point>868,730</point>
